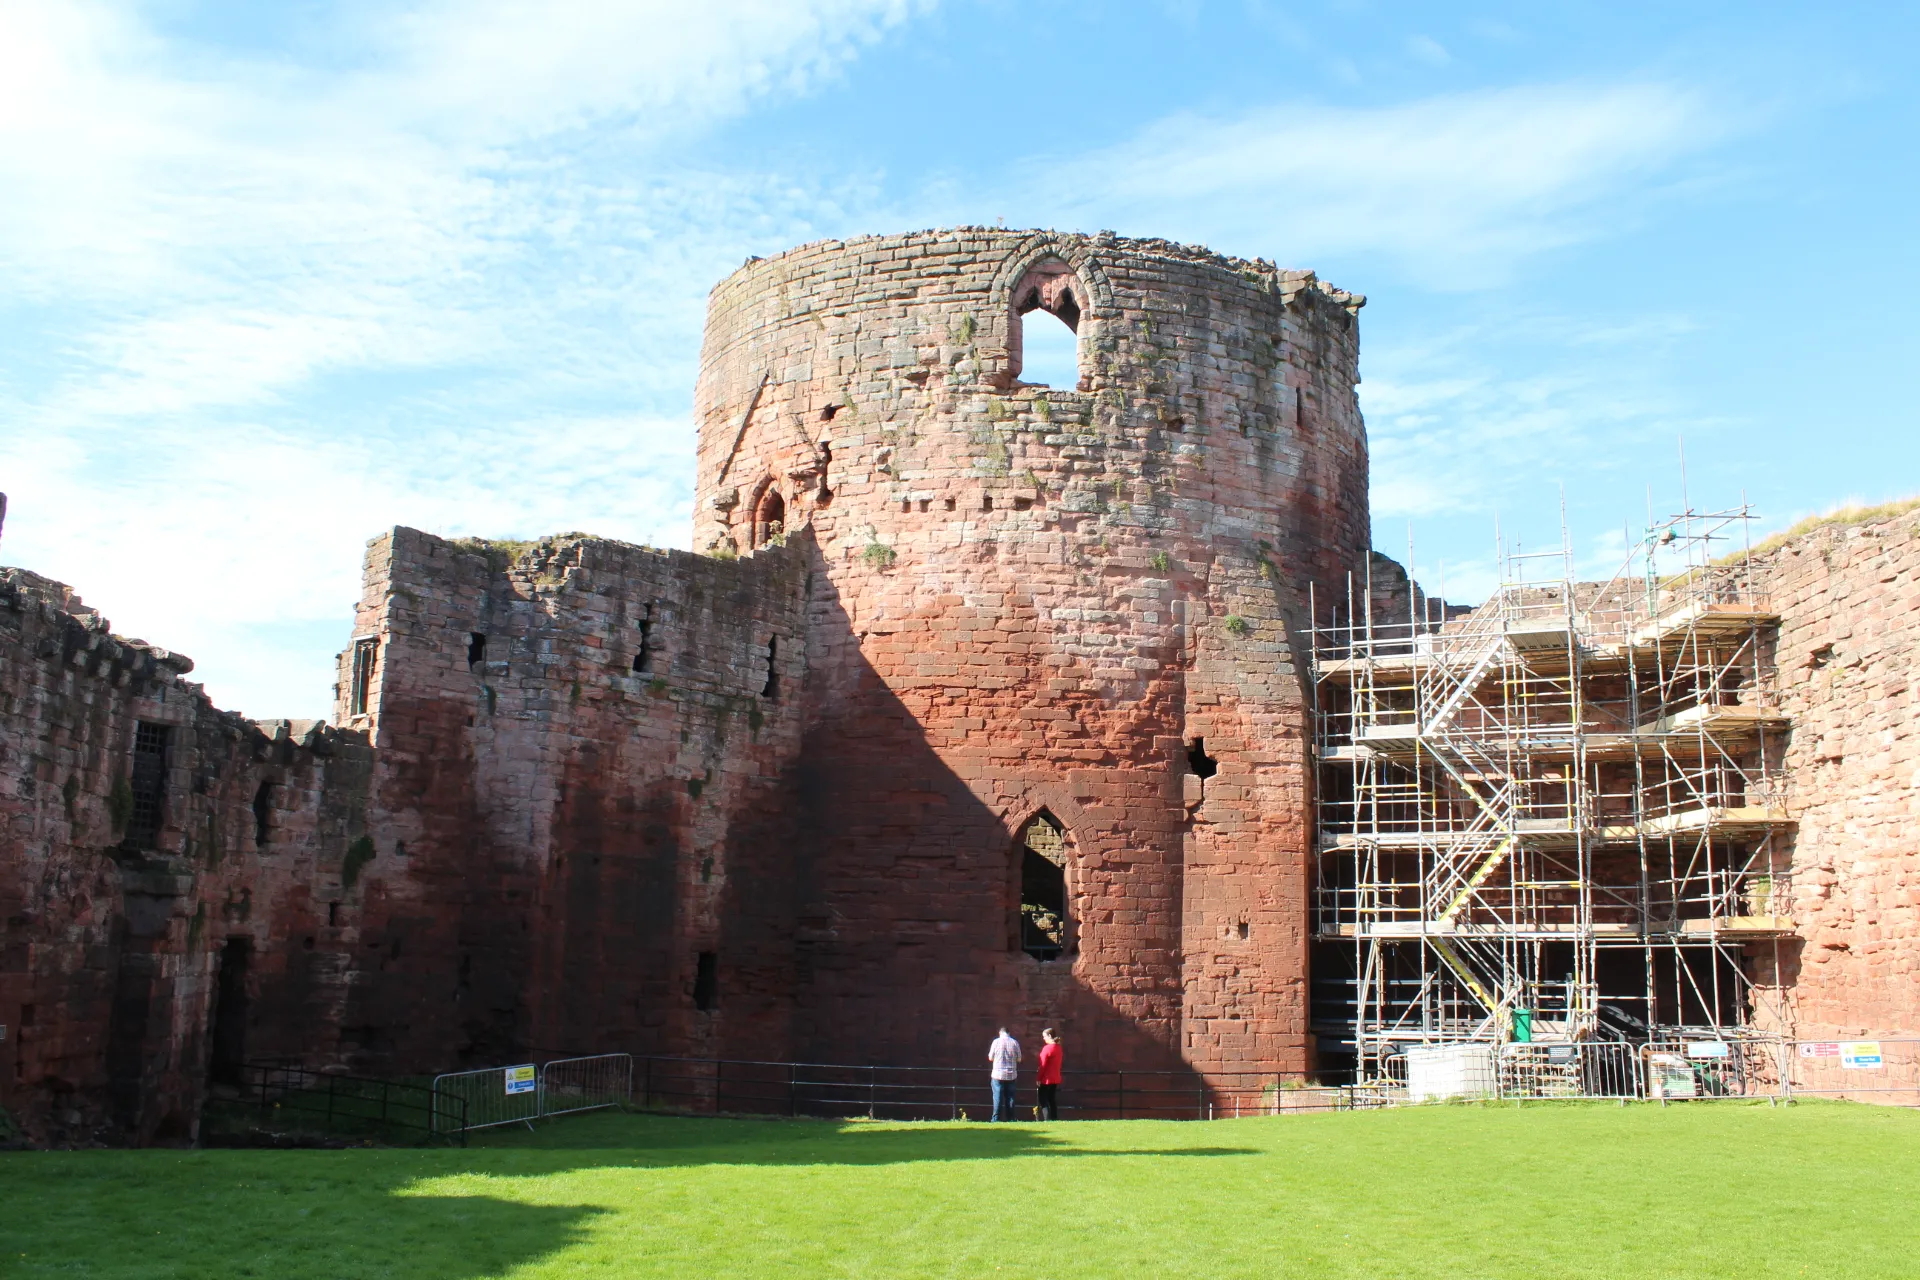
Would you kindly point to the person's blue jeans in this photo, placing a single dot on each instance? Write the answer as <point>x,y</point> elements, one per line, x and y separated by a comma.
<point>1003,1099</point>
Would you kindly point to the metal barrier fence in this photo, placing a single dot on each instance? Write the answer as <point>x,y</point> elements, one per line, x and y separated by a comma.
<point>586,1084</point>
<point>1885,1071</point>
<point>340,1104</point>
<point>1882,1071</point>
<point>522,1093</point>
<point>837,1090</point>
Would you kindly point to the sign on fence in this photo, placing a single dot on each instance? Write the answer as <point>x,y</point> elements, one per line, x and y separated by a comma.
<point>522,1094</point>
<point>1861,1055</point>
<point>1707,1048</point>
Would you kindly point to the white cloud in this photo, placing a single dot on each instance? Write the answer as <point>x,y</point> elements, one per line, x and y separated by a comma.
<point>1459,187</point>
<point>229,245</point>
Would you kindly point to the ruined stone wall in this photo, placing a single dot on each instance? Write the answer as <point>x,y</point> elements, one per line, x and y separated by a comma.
<point>1029,599</point>
<point>581,787</point>
<point>115,919</point>
<point>1849,600</point>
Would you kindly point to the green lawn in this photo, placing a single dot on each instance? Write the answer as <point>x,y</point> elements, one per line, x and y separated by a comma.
<point>1716,1189</point>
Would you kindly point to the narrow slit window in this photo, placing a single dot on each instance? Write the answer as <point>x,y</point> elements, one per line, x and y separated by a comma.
<point>476,648</point>
<point>771,689</point>
<point>706,982</point>
<point>643,650</point>
<point>263,812</point>
<point>365,653</point>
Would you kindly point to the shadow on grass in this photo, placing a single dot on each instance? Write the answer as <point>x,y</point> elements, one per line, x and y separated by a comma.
<point>291,1215</point>
<point>298,1214</point>
<point>663,1140</point>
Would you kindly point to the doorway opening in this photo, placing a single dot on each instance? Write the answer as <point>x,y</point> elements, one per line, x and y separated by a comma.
<point>227,1050</point>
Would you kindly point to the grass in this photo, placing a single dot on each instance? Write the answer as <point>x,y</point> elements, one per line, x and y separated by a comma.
<point>1706,1190</point>
<point>1838,518</point>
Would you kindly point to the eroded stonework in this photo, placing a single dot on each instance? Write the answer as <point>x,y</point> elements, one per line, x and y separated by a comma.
<point>979,702</point>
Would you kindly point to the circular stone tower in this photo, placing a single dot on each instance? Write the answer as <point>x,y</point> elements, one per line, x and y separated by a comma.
<point>1056,763</point>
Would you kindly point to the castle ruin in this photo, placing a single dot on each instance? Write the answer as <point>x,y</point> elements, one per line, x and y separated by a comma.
<point>978,702</point>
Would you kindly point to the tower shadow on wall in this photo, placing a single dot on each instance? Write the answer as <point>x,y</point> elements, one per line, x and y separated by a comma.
<point>897,891</point>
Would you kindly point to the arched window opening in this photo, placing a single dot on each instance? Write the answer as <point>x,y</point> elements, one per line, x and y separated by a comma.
<point>770,519</point>
<point>1041,927</point>
<point>1042,354</point>
<point>1050,353</point>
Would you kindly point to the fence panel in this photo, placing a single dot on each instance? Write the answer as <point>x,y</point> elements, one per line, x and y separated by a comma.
<point>1882,1071</point>
<point>1703,1068</point>
<point>586,1084</point>
<point>333,1102</point>
<point>493,1095</point>
<point>1594,1069</point>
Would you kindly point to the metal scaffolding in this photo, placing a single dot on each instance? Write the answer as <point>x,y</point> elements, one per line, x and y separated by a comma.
<point>1555,819</point>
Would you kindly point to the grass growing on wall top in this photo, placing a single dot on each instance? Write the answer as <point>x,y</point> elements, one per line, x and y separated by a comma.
<point>1838,518</point>
<point>1705,1190</point>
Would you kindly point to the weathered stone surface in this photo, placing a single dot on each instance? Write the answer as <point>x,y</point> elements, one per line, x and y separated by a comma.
<point>1849,600</point>
<point>940,602</point>
<point>109,940</point>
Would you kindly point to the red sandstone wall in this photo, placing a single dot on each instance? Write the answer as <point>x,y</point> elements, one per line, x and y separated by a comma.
<point>1028,599</point>
<point>558,835</point>
<point>1849,600</point>
<point>109,954</point>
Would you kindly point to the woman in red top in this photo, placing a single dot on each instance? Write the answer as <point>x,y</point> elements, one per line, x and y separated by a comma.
<point>1048,1076</point>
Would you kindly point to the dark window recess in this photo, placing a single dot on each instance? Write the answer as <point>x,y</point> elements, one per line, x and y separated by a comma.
<point>1041,929</point>
<point>1202,764</point>
<point>148,782</point>
<point>227,1042</point>
<point>476,648</point>
<point>364,654</point>
<point>769,518</point>
<point>986,502</point>
<point>642,654</point>
<point>772,687</point>
<point>263,812</point>
<point>1243,929</point>
<point>949,504</point>
<point>706,982</point>
<point>827,414</point>
<point>333,914</point>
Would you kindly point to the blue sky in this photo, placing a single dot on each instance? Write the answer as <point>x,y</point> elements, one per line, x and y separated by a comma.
<point>274,278</point>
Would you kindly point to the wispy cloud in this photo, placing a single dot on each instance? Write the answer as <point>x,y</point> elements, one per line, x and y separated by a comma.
<point>1458,188</point>
<point>494,211</point>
